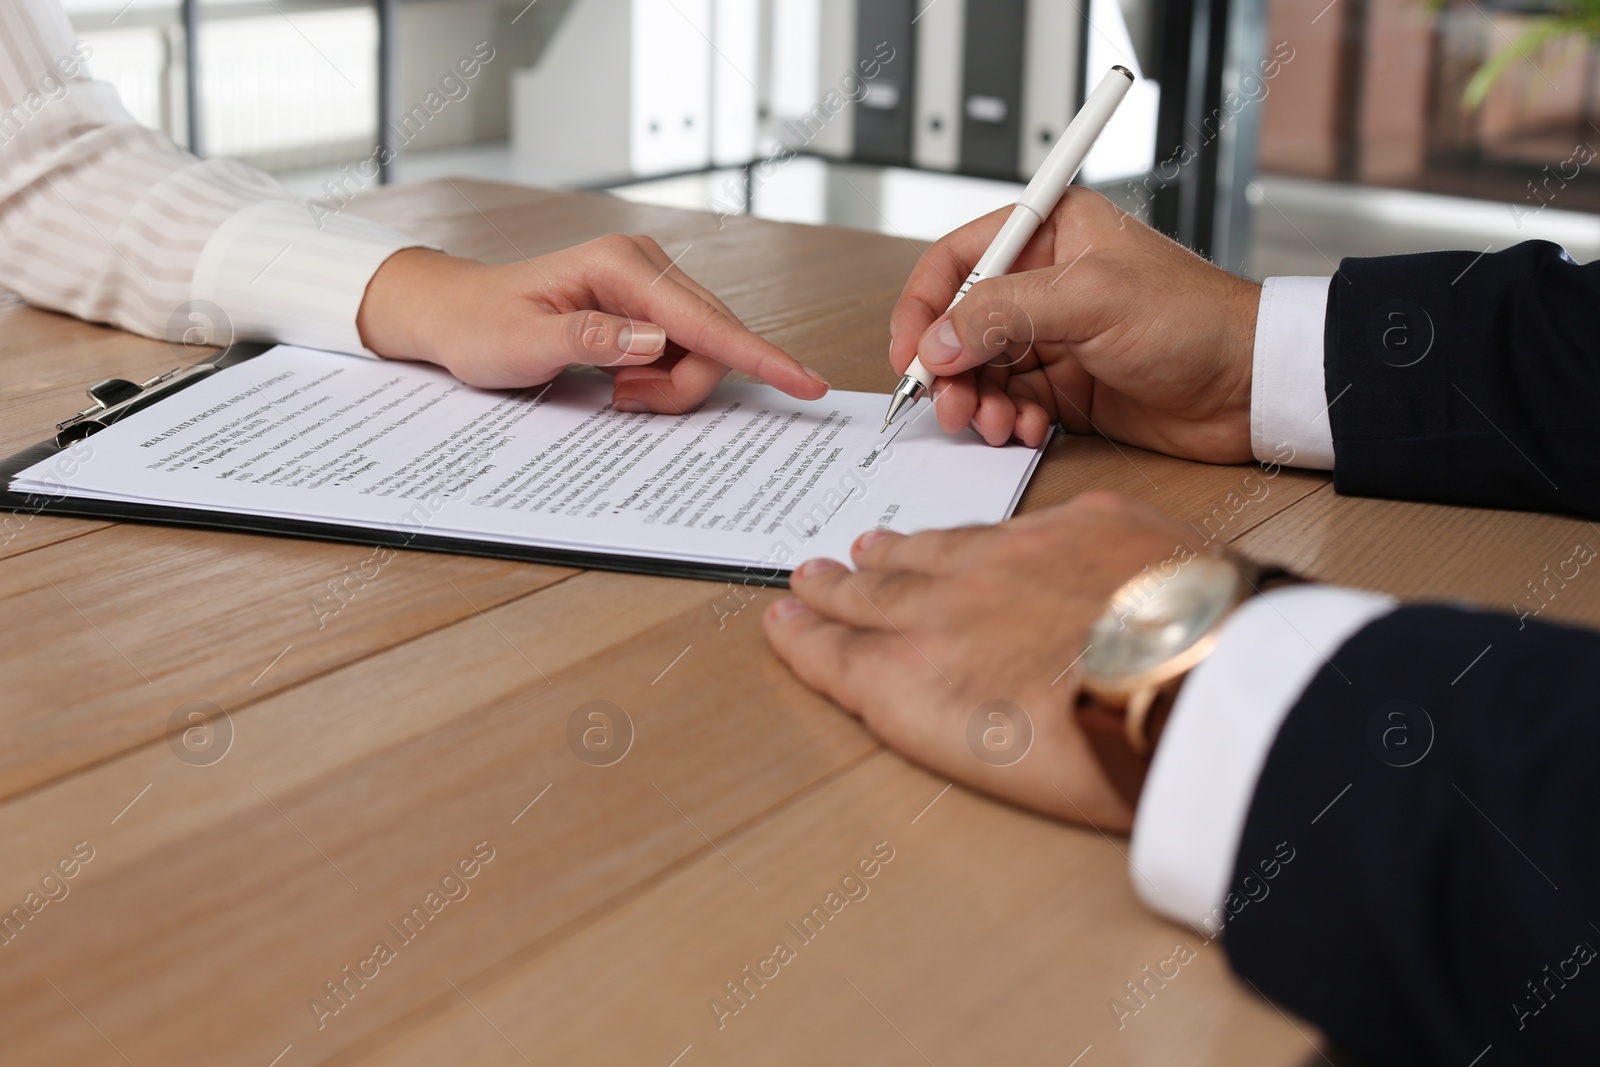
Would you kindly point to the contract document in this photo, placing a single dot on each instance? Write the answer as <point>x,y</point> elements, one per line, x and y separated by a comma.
<point>751,479</point>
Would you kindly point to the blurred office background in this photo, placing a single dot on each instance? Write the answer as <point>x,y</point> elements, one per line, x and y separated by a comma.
<point>1276,136</point>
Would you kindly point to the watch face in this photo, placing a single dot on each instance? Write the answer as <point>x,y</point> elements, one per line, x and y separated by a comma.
<point>1155,618</point>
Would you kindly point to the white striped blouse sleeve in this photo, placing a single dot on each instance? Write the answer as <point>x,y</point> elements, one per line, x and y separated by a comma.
<point>110,221</point>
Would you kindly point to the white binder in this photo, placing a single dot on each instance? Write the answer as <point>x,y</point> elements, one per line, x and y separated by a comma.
<point>1126,149</point>
<point>735,80</point>
<point>576,116</point>
<point>1052,83</point>
<point>813,47</point>
<point>669,64</point>
<point>936,138</point>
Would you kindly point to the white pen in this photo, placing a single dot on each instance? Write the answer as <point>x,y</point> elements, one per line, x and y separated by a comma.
<point>1037,201</point>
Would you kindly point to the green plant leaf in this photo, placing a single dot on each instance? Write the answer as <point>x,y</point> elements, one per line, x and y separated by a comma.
<point>1532,40</point>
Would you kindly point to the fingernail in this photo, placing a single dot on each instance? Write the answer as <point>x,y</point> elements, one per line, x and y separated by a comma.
<point>819,379</point>
<point>942,345</point>
<point>786,607</point>
<point>642,339</point>
<point>870,538</point>
<point>632,406</point>
<point>813,567</point>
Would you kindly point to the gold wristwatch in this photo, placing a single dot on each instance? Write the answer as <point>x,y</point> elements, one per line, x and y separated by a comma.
<point>1157,628</point>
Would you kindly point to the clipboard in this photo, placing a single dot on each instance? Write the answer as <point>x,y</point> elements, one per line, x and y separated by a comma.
<point>116,399</point>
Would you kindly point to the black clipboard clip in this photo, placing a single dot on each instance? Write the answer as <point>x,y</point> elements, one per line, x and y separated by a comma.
<point>117,398</point>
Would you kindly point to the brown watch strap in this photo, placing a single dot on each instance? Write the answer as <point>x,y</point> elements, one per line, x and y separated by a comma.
<point>1106,733</point>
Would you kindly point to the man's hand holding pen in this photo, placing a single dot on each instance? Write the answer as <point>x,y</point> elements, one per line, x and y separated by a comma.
<point>1105,326</point>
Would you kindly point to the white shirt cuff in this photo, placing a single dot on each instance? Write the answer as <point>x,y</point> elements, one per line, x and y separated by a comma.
<point>1288,401</point>
<point>1192,812</point>
<point>284,271</point>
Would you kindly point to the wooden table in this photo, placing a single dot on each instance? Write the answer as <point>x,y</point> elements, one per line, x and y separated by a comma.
<point>368,758</point>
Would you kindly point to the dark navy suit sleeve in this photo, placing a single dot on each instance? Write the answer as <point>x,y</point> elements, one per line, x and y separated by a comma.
<point>1467,378</point>
<point>1436,791</point>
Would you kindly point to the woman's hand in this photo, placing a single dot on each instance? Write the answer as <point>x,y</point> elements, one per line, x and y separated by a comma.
<point>935,633</point>
<point>616,303</point>
<point>1105,326</point>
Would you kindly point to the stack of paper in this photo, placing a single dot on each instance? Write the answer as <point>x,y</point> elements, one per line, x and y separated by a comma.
<point>753,478</point>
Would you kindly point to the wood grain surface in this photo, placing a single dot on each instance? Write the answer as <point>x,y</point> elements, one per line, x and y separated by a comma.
<point>232,906</point>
